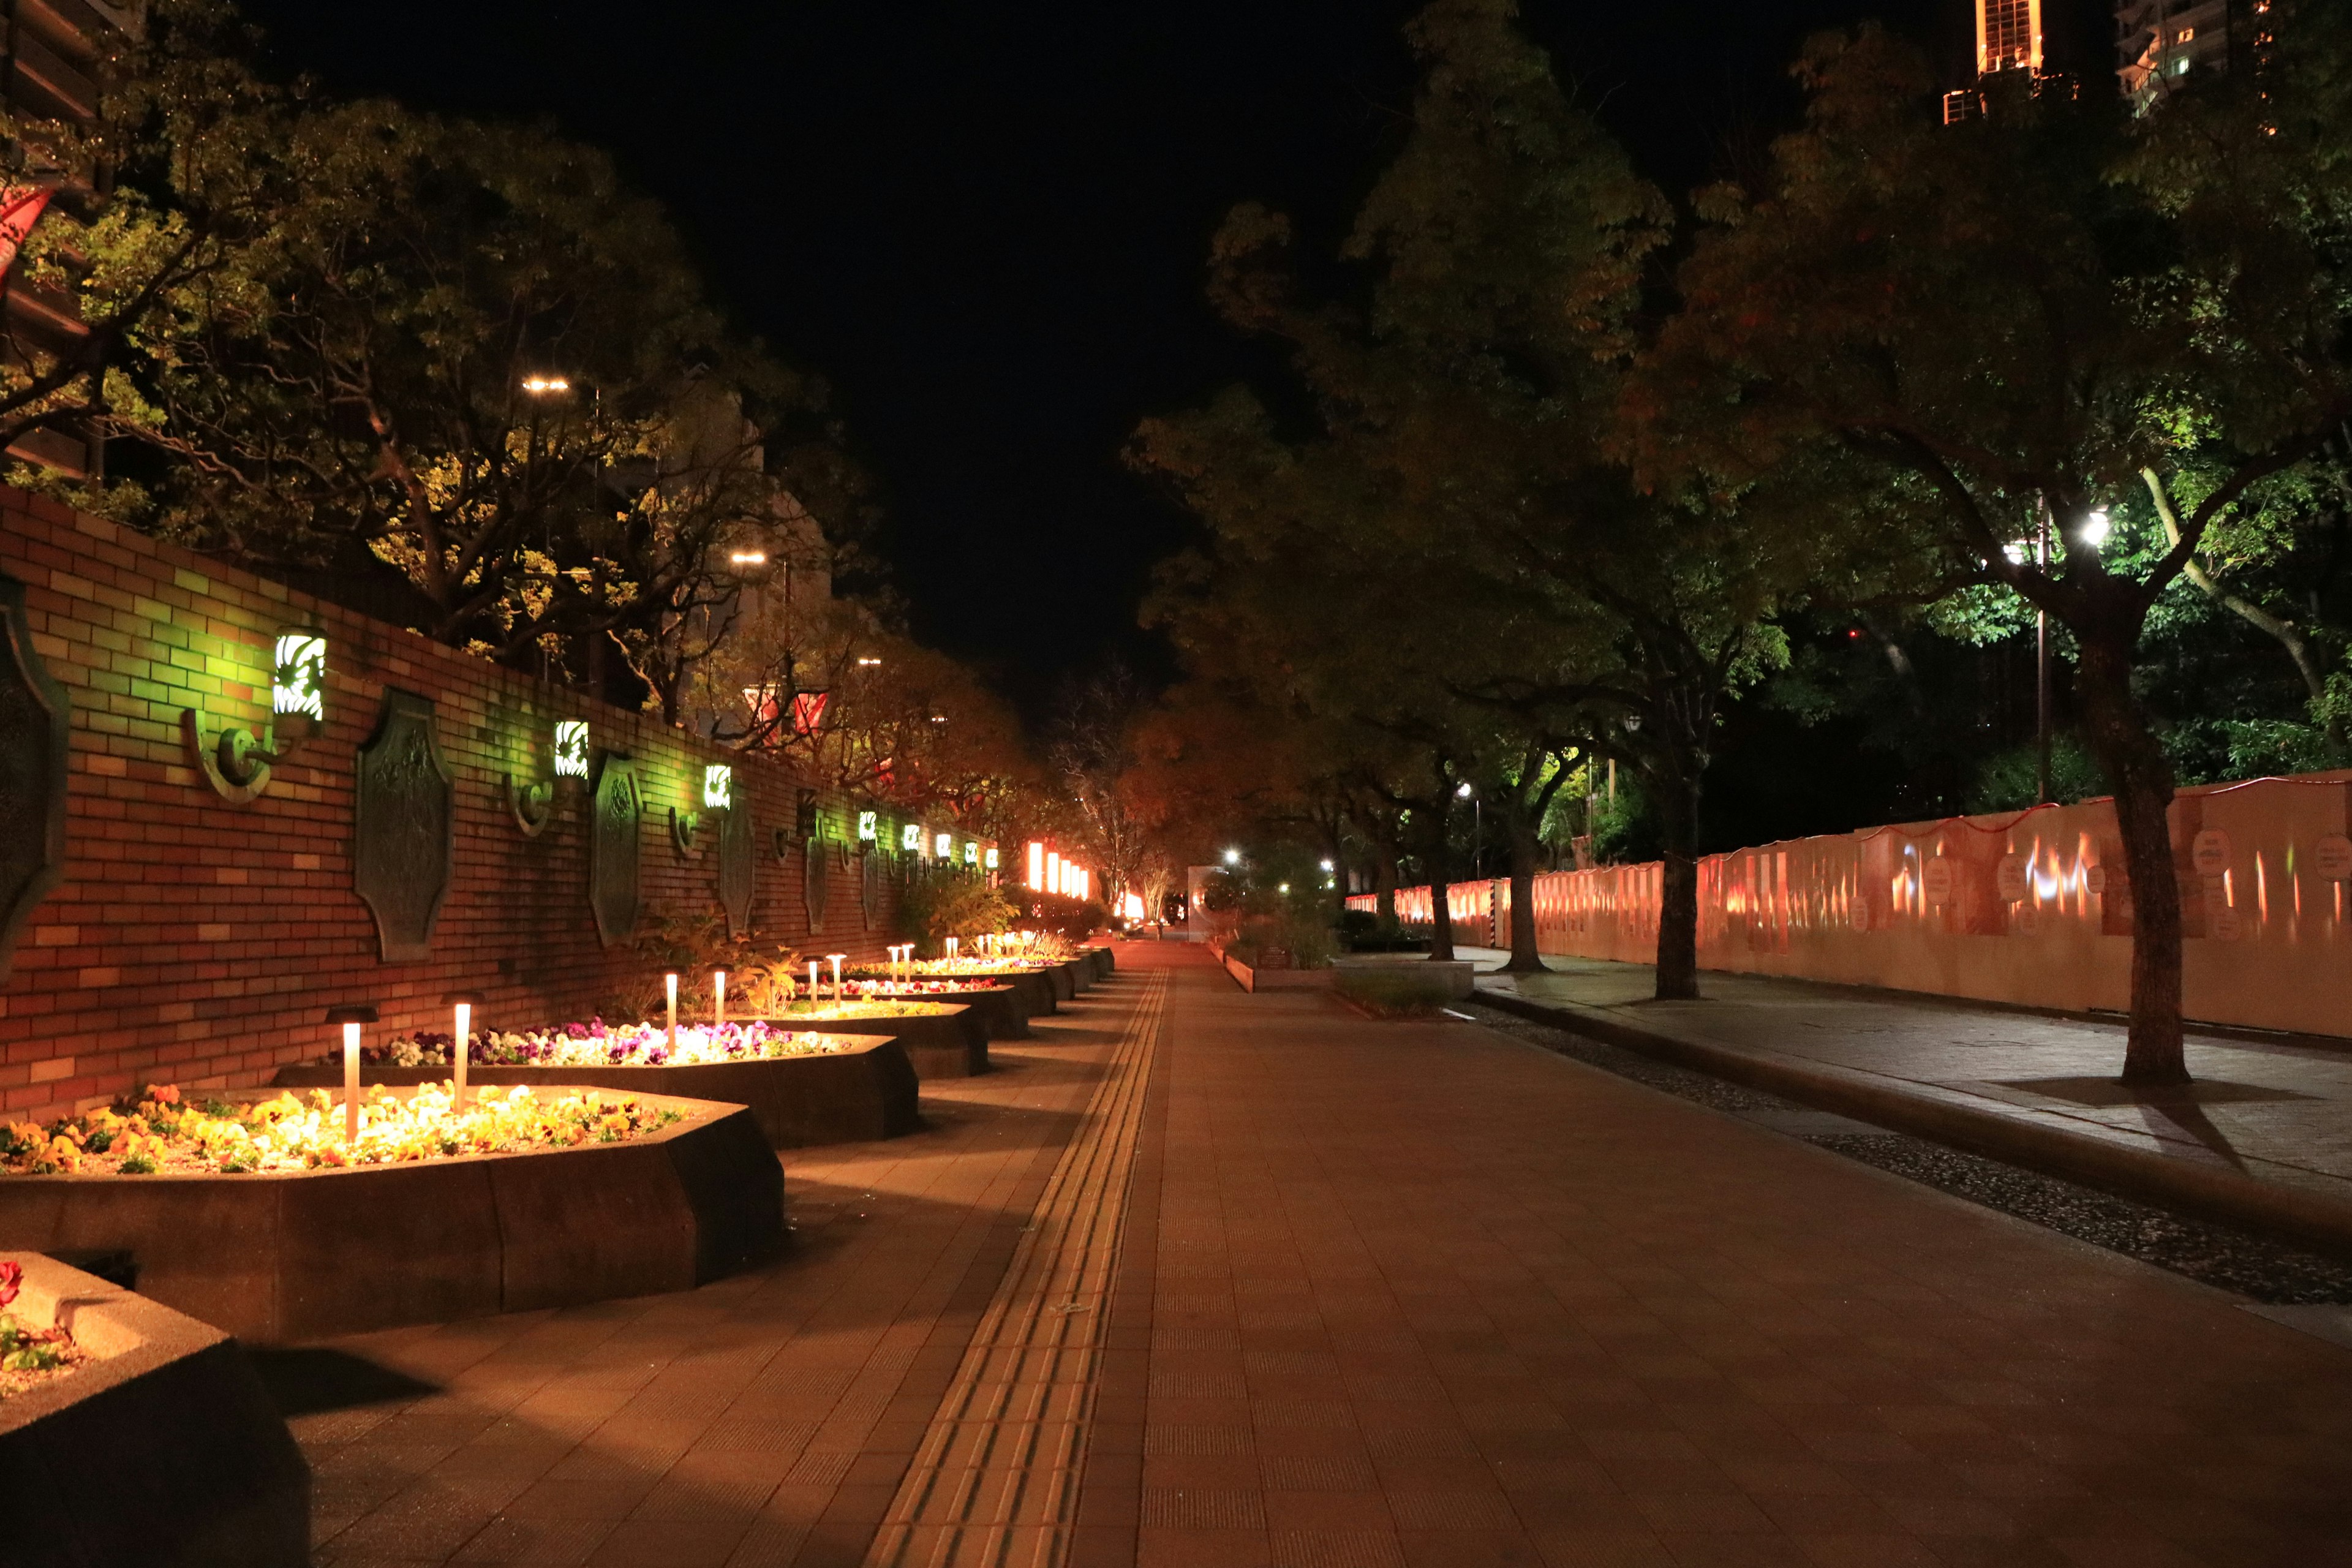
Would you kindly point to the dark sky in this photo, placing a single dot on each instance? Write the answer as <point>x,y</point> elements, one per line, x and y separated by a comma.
<point>985,221</point>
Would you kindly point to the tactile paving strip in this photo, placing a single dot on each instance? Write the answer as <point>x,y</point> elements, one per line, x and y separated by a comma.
<point>996,1480</point>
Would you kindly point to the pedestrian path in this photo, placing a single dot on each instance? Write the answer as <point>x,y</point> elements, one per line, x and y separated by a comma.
<point>1207,1279</point>
<point>2274,1112</point>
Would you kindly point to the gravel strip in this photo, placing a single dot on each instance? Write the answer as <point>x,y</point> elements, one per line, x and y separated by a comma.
<point>2253,1266</point>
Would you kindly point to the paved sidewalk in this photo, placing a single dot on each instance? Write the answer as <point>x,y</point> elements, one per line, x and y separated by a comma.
<point>762,1421</point>
<point>1207,1279</point>
<point>1427,1295</point>
<point>2279,1113</point>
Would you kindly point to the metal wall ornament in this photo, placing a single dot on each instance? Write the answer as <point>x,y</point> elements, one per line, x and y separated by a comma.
<point>613,838</point>
<point>236,763</point>
<point>532,802</point>
<point>735,881</point>
<point>686,833</point>
<point>36,729</point>
<point>403,826</point>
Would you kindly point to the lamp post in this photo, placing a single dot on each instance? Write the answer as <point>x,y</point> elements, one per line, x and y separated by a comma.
<point>461,1037</point>
<point>1477,827</point>
<point>351,1018</point>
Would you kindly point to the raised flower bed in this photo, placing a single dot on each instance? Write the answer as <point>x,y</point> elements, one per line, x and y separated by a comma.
<point>997,1003</point>
<point>157,1445</point>
<point>941,1040</point>
<point>800,1087</point>
<point>251,1212</point>
<point>1032,985</point>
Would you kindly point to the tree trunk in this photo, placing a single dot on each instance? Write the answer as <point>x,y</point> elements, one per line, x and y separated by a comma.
<point>1385,887</point>
<point>1678,962</point>
<point>1525,958</point>
<point>2141,776</point>
<point>1441,913</point>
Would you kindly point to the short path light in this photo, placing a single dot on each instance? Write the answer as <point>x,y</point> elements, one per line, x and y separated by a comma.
<point>812,982</point>
<point>350,1018</point>
<point>835,959</point>
<point>461,1040</point>
<point>671,980</point>
<point>718,998</point>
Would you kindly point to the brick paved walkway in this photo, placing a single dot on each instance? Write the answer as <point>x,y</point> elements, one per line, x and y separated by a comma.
<point>2278,1110</point>
<point>1409,1294</point>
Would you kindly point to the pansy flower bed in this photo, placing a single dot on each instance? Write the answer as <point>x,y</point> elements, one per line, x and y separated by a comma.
<point>158,1131</point>
<point>29,1356</point>
<point>598,1044</point>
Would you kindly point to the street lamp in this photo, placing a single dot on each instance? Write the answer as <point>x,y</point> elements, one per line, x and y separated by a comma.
<point>1478,826</point>
<point>1233,856</point>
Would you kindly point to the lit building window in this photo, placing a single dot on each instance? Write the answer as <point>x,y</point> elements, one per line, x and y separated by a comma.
<point>718,786</point>
<point>572,748</point>
<point>911,838</point>
<point>2186,34</point>
<point>298,683</point>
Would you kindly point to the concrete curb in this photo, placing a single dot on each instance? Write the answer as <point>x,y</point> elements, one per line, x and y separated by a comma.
<point>2308,1219</point>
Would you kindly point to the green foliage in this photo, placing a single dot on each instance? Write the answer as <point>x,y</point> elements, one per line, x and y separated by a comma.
<point>942,904</point>
<point>2008,780</point>
<point>1387,991</point>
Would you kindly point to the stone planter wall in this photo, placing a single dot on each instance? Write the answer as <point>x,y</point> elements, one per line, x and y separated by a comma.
<point>273,1259</point>
<point>164,1451</point>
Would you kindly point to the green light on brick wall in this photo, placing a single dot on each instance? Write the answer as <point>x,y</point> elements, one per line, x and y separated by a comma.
<point>869,825</point>
<point>911,838</point>
<point>718,786</point>
<point>298,683</point>
<point>970,853</point>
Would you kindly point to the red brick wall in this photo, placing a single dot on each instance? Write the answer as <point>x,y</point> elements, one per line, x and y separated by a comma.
<point>198,942</point>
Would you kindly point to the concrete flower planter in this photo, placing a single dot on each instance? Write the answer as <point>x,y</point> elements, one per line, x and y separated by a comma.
<point>164,1451</point>
<point>841,1096</point>
<point>950,1043</point>
<point>1457,975</point>
<point>278,1257</point>
<point>1279,979</point>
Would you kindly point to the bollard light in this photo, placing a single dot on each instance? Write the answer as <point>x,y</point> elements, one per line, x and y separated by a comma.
<point>670,981</point>
<point>461,1037</point>
<point>835,959</point>
<point>351,1017</point>
<point>718,998</point>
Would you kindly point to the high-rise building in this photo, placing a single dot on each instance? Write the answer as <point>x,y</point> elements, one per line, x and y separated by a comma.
<point>2009,37</point>
<point>49,55</point>
<point>2163,44</point>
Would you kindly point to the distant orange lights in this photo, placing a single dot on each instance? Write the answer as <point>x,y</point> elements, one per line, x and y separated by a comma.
<point>1037,866</point>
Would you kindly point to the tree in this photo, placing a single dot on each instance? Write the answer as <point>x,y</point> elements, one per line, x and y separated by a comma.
<point>160,199</point>
<point>1936,342</point>
<point>468,354</point>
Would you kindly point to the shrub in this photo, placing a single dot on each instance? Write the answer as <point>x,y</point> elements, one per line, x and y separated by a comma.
<point>949,904</point>
<point>1393,993</point>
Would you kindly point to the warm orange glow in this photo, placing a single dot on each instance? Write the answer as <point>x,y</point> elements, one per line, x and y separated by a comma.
<point>1037,866</point>
<point>1053,872</point>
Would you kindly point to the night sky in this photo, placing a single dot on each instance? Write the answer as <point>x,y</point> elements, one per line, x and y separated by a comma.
<point>986,222</point>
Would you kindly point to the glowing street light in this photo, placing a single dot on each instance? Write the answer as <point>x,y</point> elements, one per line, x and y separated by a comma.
<point>546,386</point>
<point>2095,529</point>
<point>1233,856</point>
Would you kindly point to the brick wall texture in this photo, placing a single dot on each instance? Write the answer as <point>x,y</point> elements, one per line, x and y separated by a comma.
<point>199,943</point>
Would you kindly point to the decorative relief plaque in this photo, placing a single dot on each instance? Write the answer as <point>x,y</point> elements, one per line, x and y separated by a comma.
<point>403,827</point>
<point>612,844</point>
<point>36,720</point>
<point>814,884</point>
<point>735,853</point>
